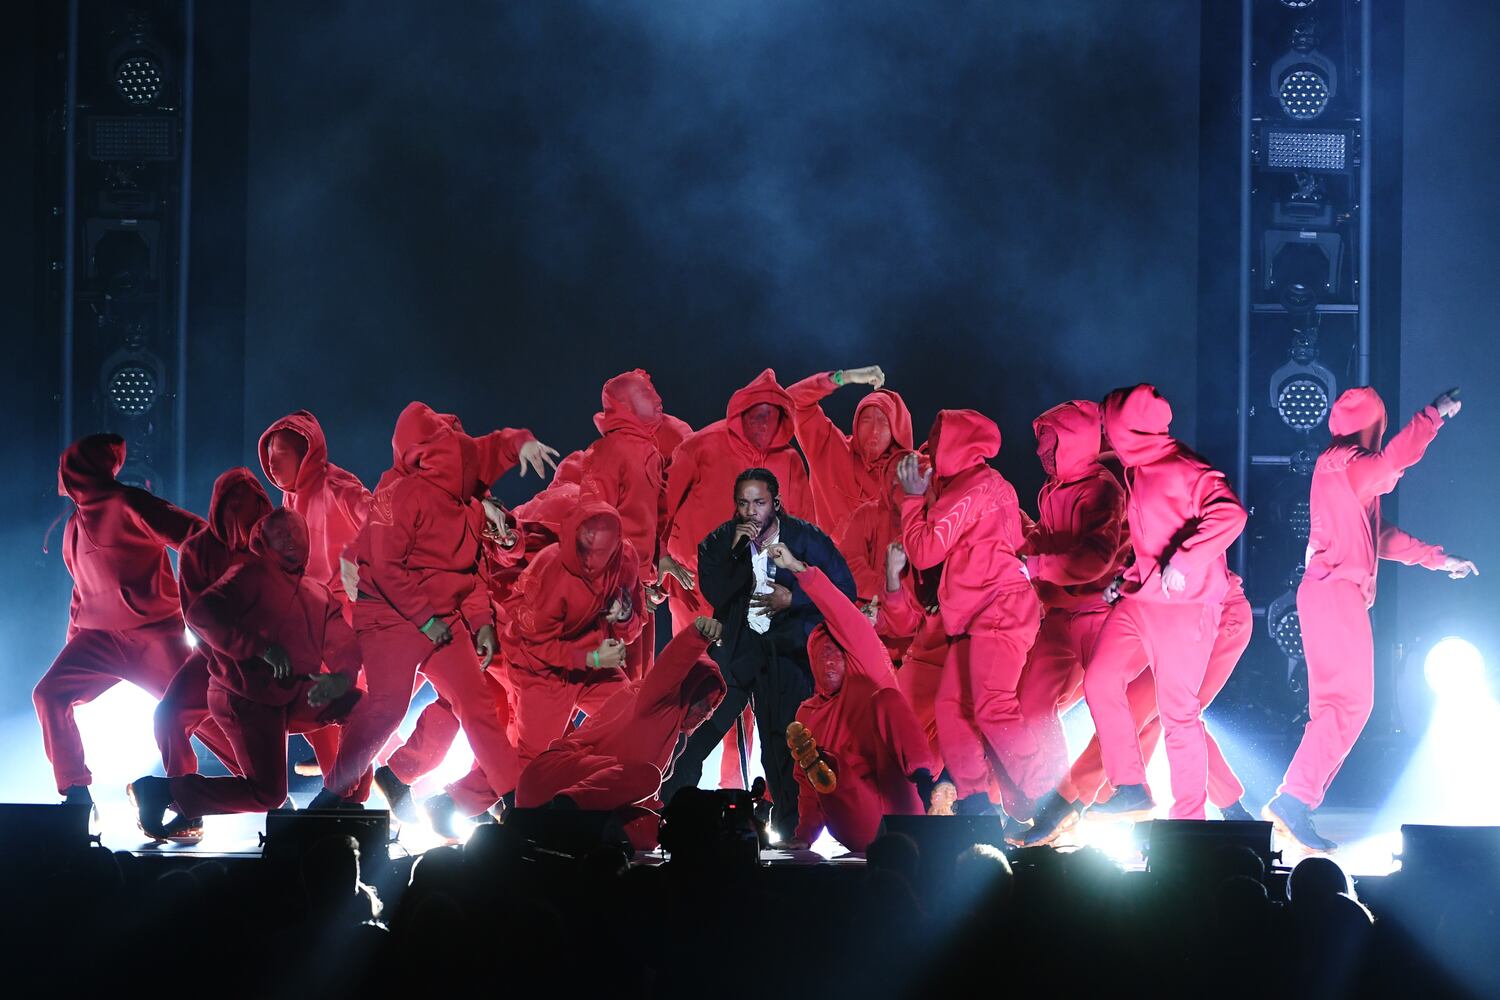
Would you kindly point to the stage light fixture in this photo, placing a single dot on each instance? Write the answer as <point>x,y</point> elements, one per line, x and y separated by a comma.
<point>1299,519</point>
<point>1284,625</point>
<point>1303,93</point>
<point>138,78</point>
<point>1454,668</point>
<point>133,389</point>
<point>1302,390</point>
<point>1305,149</point>
<point>1297,4</point>
<point>1303,81</point>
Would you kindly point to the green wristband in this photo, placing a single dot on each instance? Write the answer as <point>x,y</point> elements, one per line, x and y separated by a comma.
<point>837,377</point>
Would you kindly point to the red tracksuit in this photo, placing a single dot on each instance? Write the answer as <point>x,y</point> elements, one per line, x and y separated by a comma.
<point>335,505</point>
<point>559,617</point>
<point>1086,781</point>
<point>843,473</point>
<point>1076,548</point>
<point>263,601</point>
<point>1182,513</point>
<point>972,525</point>
<point>700,481</point>
<point>419,559</point>
<point>866,730</point>
<point>617,759</point>
<point>1338,588</point>
<point>125,618</point>
<point>238,502</point>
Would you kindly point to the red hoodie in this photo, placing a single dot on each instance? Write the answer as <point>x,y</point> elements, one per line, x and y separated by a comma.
<point>1351,475</point>
<point>333,501</point>
<point>624,468</point>
<point>643,721</point>
<point>868,534</point>
<point>866,724</point>
<point>1080,541</point>
<point>1181,509</point>
<point>700,481</point>
<point>972,524</point>
<point>238,503</point>
<point>115,544</point>
<point>842,476</point>
<point>559,605</point>
<point>420,548</point>
<point>267,600</point>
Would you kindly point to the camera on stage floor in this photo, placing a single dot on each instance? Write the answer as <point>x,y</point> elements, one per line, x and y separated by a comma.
<point>716,827</point>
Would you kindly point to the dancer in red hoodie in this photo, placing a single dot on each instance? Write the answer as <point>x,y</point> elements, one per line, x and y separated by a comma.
<point>618,758</point>
<point>237,504</point>
<point>848,470</point>
<point>419,583</point>
<point>335,504</point>
<point>272,631</point>
<point>1338,589</point>
<point>756,432</point>
<point>1183,516</point>
<point>973,526</point>
<point>125,618</point>
<point>857,723</point>
<point>1086,784</point>
<point>575,610</point>
<point>1075,550</point>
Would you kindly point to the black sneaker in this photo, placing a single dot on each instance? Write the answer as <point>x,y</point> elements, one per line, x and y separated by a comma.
<point>397,793</point>
<point>441,813</point>
<point>1016,830</point>
<point>1292,819</point>
<point>152,797</point>
<point>1055,816</point>
<point>79,795</point>
<point>1130,802</point>
<point>1236,812</point>
<point>329,799</point>
<point>977,804</point>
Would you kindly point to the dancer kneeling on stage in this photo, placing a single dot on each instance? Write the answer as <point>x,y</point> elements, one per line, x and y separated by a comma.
<point>271,632</point>
<point>861,752</point>
<point>616,760</point>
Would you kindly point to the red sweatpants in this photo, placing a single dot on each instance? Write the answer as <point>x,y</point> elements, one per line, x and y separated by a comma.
<point>921,675</point>
<point>853,810</point>
<point>590,780</point>
<point>394,651</point>
<point>642,652</point>
<point>183,711</point>
<point>977,702</point>
<point>428,743</point>
<point>1174,641</point>
<point>258,734</point>
<point>92,662</point>
<point>1052,683</point>
<point>546,702</point>
<point>1340,654</point>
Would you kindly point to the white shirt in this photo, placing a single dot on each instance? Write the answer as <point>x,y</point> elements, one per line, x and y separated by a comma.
<point>758,618</point>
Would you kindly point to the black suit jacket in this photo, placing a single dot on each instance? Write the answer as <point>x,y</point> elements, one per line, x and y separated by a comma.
<point>726,579</point>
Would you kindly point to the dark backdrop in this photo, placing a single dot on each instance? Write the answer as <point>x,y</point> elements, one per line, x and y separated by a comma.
<point>495,207</point>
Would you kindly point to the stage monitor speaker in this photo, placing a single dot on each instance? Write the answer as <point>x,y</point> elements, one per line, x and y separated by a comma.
<point>1473,851</point>
<point>567,833</point>
<point>28,830</point>
<point>290,833</point>
<point>1175,844</point>
<point>941,839</point>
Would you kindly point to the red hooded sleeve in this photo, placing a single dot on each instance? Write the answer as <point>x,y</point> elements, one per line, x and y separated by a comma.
<point>350,496</point>
<point>928,533</point>
<point>662,686</point>
<point>1220,520</point>
<point>392,532</point>
<point>1091,546</point>
<point>865,653</point>
<point>1400,547</point>
<point>218,616</point>
<point>167,523</point>
<point>902,733</point>
<point>499,451</point>
<point>815,432</point>
<point>898,614</point>
<point>1373,473</point>
<point>682,476</point>
<point>539,614</point>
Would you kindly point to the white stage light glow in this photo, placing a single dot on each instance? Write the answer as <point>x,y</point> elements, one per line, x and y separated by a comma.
<point>1454,668</point>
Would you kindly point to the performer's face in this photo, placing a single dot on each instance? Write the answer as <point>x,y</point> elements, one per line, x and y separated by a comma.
<point>1046,450</point>
<point>753,503</point>
<point>830,667</point>
<point>643,400</point>
<point>598,540</point>
<point>762,422</point>
<point>284,457</point>
<point>697,714</point>
<point>872,434</point>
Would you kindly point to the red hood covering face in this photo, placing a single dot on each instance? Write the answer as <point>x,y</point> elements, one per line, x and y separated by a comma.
<point>589,546</point>
<point>434,446</point>
<point>631,404</point>
<point>829,665</point>
<point>1136,421</point>
<point>961,440</point>
<point>702,684</point>
<point>314,467</point>
<point>88,467</point>
<point>897,417</point>
<point>762,389</point>
<point>1068,439</point>
<point>1359,416</point>
<point>281,539</point>
<point>238,503</point>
